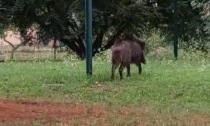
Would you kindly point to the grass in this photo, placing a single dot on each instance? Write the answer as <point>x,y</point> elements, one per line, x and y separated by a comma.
<point>164,86</point>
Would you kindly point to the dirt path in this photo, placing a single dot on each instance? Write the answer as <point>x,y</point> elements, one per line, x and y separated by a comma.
<point>47,113</point>
<point>14,112</point>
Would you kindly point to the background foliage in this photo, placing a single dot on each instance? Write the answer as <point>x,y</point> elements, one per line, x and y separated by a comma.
<point>65,21</point>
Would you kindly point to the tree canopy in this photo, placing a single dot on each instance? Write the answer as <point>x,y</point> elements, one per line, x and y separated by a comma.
<point>65,19</point>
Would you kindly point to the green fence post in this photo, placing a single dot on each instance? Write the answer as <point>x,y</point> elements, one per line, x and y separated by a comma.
<point>175,27</point>
<point>88,36</point>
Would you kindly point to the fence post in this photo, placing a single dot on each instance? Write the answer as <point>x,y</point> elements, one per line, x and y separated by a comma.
<point>88,36</point>
<point>175,27</point>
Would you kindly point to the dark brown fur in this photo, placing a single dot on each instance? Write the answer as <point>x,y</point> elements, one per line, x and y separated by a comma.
<point>125,51</point>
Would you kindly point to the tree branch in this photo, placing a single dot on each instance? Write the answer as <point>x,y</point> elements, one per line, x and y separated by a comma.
<point>71,43</point>
<point>10,43</point>
<point>98,41</point>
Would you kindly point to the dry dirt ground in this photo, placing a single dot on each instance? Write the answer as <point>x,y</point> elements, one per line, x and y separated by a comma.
<point>47,113</point>
<point>26,112</point>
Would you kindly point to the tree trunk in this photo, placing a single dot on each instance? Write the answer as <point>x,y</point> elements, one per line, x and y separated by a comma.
<point>14,48</point>
<point>54,54</point>
<point>54,47</point>
<point>98,42</point>
<point>72,44</point>
<point>78,46</point>
<point>12,54</point>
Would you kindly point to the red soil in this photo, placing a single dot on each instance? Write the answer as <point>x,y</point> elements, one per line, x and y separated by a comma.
<point>21,111</point>
<point>48,113</point>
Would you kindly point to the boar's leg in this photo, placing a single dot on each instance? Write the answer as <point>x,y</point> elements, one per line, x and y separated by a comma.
<point>143,60</point>
<point>140,68</point>
<point>114,67</point>
<point>121,72</point>
<point>128,70</point>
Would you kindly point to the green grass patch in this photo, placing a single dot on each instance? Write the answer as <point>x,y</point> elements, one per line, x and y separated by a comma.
<point>164,86</point>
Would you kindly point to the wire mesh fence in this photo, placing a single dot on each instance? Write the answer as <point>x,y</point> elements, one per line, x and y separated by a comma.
<point>27,53</point>
<point>12,48</point>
